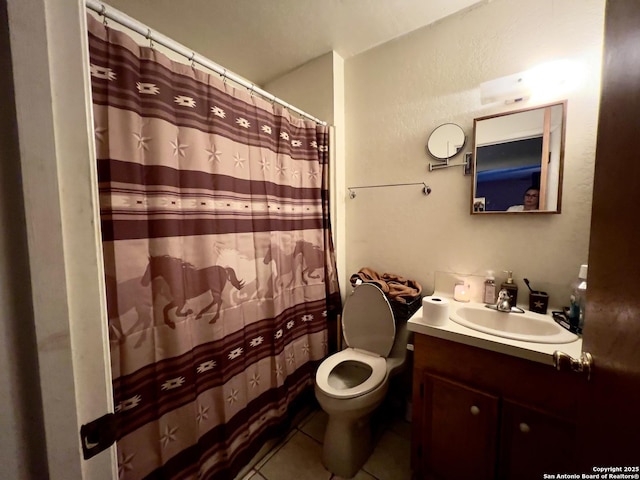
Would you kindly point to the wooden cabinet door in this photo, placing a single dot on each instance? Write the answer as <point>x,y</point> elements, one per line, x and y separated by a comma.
<point>459,430</point>
<point>533,443</point>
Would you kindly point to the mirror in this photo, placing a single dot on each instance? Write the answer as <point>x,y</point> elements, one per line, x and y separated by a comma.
<point>446,141</point>
<point>518,159</point>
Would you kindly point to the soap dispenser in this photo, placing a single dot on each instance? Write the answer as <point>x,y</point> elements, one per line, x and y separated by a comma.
<point>511,288</point>
<point>490,288</point>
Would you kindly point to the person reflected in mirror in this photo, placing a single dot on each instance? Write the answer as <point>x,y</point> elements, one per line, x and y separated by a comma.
<point>531,201</point>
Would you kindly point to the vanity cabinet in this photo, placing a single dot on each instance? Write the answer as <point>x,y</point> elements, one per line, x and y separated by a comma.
<point>481,415</point>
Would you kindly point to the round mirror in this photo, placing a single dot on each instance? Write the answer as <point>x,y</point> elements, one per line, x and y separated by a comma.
<point>446,141</point>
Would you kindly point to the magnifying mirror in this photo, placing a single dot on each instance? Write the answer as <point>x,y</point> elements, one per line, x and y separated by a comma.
<point>446,141</point>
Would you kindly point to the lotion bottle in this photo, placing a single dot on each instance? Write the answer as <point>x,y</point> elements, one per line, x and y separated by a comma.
<point>578,300</point>
<point>490,288</point>
<point>511,288</point>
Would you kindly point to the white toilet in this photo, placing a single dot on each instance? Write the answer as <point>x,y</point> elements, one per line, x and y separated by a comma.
<point>352,383</point>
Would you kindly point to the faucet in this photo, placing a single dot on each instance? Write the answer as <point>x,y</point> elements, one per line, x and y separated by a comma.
<point>504,303</point>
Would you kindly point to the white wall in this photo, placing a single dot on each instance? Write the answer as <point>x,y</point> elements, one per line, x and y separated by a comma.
<point>22,448</point>
<point>58,169</point>
<point>396,94</point>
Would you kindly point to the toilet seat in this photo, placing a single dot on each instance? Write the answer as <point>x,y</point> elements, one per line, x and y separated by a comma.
<point>377,364</point>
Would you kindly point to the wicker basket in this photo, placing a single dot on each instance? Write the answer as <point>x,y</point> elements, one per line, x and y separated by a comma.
<point>403,311</point>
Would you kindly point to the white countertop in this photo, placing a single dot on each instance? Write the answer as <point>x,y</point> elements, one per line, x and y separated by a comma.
<point>537,352</point>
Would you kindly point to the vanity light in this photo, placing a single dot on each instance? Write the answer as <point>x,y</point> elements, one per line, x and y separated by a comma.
<point>509,89</point>
<point>543,81</point>
<point>555,79</point>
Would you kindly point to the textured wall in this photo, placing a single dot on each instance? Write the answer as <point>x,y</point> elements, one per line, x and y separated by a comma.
<point>22,448</point>
<point>396,94</point>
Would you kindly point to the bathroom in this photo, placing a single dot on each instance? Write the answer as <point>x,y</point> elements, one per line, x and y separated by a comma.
<point>401,91</point>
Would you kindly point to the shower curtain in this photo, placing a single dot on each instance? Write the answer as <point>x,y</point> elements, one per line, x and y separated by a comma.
<point>220,271</point>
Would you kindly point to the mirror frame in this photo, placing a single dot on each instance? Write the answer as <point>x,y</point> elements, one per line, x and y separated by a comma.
<point>546,134</point>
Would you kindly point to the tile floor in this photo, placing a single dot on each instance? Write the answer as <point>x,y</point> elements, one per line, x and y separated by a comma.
<point>298,455</point>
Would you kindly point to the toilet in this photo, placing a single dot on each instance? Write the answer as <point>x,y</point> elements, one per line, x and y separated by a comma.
<point>352,383</point>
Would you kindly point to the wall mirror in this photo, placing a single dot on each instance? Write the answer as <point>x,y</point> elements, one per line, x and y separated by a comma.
<point>446,141</point>
<point>517,161</point>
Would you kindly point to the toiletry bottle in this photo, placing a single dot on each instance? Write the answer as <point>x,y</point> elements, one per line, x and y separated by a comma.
<point>578,299</point>
<point>490,288</point>
<point>511,288</point>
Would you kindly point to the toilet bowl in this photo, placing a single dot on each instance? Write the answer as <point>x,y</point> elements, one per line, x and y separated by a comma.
<point>352,383</point>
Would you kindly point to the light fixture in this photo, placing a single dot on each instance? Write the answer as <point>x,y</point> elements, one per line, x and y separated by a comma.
<point>509,89</point>
<point>544,81</point>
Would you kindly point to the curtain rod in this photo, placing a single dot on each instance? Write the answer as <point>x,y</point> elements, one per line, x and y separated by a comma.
<point>132,24</point>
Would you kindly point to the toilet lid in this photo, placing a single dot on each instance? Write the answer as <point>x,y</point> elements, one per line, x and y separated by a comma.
<point>367,320</point>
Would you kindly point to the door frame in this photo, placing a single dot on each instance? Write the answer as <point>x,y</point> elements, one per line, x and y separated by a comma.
<point>57,155</point>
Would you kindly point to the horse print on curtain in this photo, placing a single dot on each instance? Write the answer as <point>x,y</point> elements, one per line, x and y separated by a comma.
<point>219,266</point>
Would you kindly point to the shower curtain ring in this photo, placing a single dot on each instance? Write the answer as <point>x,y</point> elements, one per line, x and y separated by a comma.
<point>251,89</point>
<point>193,62</point>
<point>149,37</point>
<point>224,76</point>
<point>103,12</point>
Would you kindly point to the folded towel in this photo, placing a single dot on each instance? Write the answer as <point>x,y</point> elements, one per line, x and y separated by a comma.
<point>396,287</point>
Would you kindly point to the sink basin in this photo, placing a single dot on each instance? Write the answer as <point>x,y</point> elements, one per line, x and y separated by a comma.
<point>526,327</point>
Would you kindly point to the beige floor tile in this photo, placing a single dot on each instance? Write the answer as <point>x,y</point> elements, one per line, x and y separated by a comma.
<point>391,458</point>
<point>361,475</point>
<point>401,427</point>
<point>257,476</point>
<point>250,474</point>
<point>303,416</point>
<point>298,459</point>
<point>277,444</point>
<point>308,416</point>
<point>316,425</point>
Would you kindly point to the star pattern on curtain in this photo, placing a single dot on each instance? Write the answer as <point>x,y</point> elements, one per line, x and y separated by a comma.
<point>254,381</point>
<point>213,153</point>
<point>124,462</point>
<point>168,436</point>
<point>202,413</point>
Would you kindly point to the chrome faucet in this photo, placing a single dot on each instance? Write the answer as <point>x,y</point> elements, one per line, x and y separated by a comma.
<point>504,303</point>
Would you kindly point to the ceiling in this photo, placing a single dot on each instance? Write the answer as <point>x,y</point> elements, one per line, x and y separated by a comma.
<point>264,39</point>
